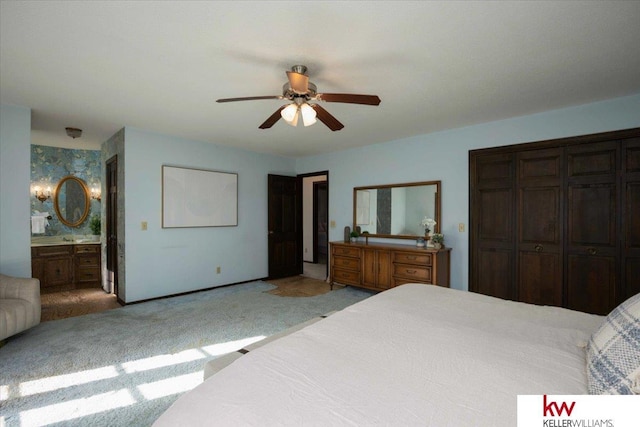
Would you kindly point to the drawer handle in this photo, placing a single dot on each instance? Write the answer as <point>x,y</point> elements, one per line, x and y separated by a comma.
<point>592,251</point>
<point>538,248</point>
<point>412,257</point>
<point>411,271</point>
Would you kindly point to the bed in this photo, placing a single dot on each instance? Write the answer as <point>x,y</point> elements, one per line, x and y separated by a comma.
<point>412,355</point>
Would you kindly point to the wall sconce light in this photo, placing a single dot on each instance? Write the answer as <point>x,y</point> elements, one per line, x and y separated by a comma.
<point>41,194</point>
<point>96,194</point>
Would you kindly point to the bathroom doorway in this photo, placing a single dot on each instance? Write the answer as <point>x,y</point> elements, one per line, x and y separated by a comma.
<point>111,219</point>
<point>315,219</point>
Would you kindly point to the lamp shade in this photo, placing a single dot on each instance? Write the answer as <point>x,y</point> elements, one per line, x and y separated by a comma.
<point>308,114</point>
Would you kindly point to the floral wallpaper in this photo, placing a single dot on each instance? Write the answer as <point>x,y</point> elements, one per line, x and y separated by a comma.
<point>48,166</point>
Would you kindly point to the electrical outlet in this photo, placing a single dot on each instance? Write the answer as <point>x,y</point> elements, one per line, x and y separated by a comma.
<point>143,226</point>
<point>332,224</point>
<point>461,227</point>
<point>218,270</point>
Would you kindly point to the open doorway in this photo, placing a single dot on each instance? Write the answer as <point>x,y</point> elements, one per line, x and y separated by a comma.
<point>315,221</point>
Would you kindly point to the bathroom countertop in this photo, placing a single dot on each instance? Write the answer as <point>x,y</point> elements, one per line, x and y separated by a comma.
<point>64,240</point>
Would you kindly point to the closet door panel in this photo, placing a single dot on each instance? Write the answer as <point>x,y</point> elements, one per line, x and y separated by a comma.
<point>592,227</point>
<point>494,273</point>
<point>539,225</point>
<point>631,218</point>
<point>492,225</point>
<point>539,273</point>
<point>591,283</point>
<point>592,215</point>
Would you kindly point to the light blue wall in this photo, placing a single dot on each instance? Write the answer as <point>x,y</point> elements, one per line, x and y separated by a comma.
<point>15,226</point>
<point>163,262</point>
<point>168,261</point>
<point>445,156</point>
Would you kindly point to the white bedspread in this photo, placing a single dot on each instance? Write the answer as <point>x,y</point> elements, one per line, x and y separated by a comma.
<point>413,355</point>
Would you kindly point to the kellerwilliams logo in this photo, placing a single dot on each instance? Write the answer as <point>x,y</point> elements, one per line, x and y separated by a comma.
<point>577,411</point>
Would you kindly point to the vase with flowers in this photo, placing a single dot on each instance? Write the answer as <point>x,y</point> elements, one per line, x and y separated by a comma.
<point>428,224</point>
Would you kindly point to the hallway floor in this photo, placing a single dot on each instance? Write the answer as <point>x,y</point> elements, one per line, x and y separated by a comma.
<point>60,305</point>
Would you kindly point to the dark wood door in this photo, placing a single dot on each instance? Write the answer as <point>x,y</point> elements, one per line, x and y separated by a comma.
<point>112,224</point>
<point>580,224</point>
<point>592,226</point>
<point>630,230</point>
<point>285,226</point>
<point>492,226</point>
<point>539,227</point>
<point>320,222</point>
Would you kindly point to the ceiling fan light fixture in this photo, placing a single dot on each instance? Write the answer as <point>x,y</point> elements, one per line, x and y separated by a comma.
<point>308,114</point>
<point>290,114</point>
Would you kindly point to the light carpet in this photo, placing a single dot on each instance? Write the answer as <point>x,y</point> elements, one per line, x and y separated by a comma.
<point>124,367</point>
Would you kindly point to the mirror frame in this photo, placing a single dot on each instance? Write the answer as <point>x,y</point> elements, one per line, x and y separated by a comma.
<point>437,214</point>
<point>87,201</point>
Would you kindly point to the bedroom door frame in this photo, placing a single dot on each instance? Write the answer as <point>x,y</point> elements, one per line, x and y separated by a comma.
<point>295,257</point>
<point>111,226</point>
<point>324,173</point>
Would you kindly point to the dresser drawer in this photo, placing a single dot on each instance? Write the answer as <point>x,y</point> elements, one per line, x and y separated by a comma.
<point>413,258</point>
<point>87,275</point>
<point>413,272</point>
<point>87,261</point>
<point>87,249</point>
<point>397,281</point>
<point>52,251</point>
<point>346,251</point>
<point>347,263</point>
<point>346,276</point>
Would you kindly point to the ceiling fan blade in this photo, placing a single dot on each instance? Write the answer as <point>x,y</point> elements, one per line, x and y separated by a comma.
<point>298,82</point>
<point>349,98</point>
<point>249,98</point>
<point>272,119</point>
<point>326,118</point>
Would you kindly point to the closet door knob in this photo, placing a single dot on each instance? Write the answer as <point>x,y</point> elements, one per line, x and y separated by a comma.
<point>538,247</point>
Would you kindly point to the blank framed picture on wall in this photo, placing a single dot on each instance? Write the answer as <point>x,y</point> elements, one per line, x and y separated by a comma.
<point>198,198</point>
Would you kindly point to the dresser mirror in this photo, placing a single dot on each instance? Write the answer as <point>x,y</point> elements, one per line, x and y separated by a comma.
<point>396,210</point>
<point>71,201</point>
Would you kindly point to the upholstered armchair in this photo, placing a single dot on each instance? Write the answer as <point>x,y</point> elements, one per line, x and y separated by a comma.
<point>19,305</point>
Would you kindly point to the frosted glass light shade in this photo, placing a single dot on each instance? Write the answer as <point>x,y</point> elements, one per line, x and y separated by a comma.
<point>290,114</point>
<point>308,114</point>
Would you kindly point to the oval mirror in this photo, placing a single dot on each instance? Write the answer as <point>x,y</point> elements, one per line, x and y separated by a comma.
<point>71,201</point>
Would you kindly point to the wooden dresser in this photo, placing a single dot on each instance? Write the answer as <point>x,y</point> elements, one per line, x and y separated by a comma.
<point>380,266</point>
<point>66,267</point>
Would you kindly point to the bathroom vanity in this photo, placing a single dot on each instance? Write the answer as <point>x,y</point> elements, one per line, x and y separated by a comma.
<point>66,265</point>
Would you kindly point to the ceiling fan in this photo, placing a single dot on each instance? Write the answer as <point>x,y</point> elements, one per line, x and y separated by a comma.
<point>300,91</point>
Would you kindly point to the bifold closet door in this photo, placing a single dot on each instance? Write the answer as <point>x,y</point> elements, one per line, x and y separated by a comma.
<point>492,204</point>
<point>592,226</point>
<point>630,258</point>
<point>539,245</point>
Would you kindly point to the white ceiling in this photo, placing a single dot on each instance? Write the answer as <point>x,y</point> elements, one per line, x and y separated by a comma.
<point>160,66</point>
